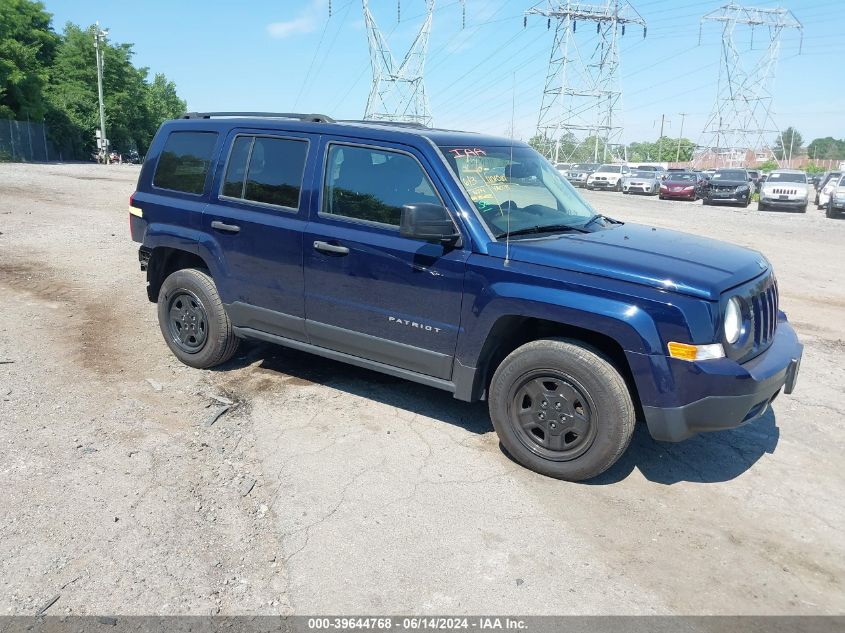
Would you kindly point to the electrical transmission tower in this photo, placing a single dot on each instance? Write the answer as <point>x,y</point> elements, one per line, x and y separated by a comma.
<point>742,121</point>
<point>582,98</point>
<point>398,92</point>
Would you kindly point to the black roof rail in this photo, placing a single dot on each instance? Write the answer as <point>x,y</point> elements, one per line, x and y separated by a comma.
<point>311,118</point>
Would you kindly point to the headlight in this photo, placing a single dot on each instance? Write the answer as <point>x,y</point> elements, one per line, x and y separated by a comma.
<point>733,321</point>
<point>742,188</point>
<point>690,188</point>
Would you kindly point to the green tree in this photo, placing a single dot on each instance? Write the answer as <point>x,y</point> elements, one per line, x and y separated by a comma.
<point>27,47</point>
<point>788,143</point>
<point>134,108</point>
<point>768,165</point>
<point>826,148</point>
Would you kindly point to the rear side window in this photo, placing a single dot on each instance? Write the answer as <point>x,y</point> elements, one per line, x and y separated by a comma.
<point>373,185</point>
<point>267,170</point>
<point>184,162</point>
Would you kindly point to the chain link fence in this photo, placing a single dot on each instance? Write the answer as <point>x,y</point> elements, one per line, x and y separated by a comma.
<point>25,141</point>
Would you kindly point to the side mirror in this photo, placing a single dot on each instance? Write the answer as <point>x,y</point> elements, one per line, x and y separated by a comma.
<point>429,223</point>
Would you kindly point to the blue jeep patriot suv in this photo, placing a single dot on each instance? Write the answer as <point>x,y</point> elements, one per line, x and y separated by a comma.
<point>460,261</point>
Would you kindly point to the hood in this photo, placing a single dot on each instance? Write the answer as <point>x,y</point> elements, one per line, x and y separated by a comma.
<point>660,258</point>
<point>679,183</point>
<point>778,184</point>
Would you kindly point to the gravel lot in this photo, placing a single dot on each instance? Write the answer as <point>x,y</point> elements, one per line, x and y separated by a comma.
<point>327,488</point>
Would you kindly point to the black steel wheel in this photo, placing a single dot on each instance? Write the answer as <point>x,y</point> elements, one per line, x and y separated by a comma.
<point>187,321</point>
<point>552,415</point>
<point>561,409</point>
<point>193,320</point>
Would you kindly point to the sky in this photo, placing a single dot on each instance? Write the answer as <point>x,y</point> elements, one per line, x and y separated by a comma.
<point>291,56</point>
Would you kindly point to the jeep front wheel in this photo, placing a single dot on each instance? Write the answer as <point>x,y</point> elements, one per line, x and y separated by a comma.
<point>193,321</point>
<point>561,409</point>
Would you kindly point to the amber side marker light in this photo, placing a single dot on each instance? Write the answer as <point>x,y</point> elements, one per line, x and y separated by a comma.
<point>684,351</point>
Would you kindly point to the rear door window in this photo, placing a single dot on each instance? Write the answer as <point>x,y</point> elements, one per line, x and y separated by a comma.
<point>185,161</point>
<point>266,170</point>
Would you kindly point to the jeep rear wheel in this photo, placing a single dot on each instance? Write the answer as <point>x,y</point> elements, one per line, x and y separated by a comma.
<point>561,409</point>
<point>193,321</point>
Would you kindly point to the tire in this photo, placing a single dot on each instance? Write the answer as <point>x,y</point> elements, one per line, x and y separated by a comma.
<point>626,192</point>
<point>660,197</point>
<point>803,209</point>
<point>705,202</point>
<point>829,212</point>
<point>596,413</point>
<point>193,320</point>
<point>762,207</point>
<point>618,186</point>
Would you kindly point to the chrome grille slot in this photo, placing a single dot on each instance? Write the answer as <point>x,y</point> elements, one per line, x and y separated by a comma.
<point>782,191</point>
<point>760,297</point>
<point>764,311</point>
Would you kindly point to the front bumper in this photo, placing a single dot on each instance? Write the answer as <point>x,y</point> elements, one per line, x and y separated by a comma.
<point>789,203</point>
<point>733,199</point>
<point>684,195</point>
<point>726,394</point>
<point>647,189</point>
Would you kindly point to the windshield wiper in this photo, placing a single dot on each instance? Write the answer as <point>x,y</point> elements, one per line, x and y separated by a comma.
<point>599,216</point>
<point>549,228</point>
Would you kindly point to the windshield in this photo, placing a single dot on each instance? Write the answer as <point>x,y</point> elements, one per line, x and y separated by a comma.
<point>643,174</point>
<point>609,169</point>
<point>516,188</point>
<point>730,175</point>
<point>785,177</point>
<point>585,166</point>
<point>681,176</point>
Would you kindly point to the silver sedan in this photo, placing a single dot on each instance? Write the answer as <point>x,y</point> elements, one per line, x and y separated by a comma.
<point>646,182</point>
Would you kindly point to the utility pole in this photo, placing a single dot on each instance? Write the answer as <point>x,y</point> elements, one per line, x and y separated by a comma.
<point>582,96</point>
<point>100,35</point>
<point>398,90</point>
<point>680,136</point>
<point>660,140</point>
<point>741,120</point>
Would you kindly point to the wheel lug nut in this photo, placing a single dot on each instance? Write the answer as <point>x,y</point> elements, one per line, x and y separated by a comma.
<point>544,404</point>
<point>557,406</point>
<point>542,416</point>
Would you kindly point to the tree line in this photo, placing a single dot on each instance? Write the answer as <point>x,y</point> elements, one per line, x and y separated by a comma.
<point>788,144</point>
<point>51,77</point>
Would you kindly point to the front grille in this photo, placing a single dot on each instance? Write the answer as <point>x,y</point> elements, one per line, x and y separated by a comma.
<point>764,314</point>
<point>724,188</point>
<point>784,192</point>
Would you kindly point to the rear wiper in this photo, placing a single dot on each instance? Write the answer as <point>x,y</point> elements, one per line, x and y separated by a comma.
<point>549,228</point>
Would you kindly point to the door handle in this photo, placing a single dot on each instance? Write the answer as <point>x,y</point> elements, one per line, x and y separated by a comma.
<point>229,228</point>
<point>335,249</point>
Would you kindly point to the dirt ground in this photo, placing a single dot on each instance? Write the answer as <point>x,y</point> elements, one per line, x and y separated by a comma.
<point>331,489</point>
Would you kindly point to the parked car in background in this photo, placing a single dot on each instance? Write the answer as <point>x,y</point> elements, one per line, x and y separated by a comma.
<point>642,181</point>
<point>659,170</point>
<point>728,186</point>
<point>755,176</point>
<point>836,202</point>
<point>563,167</point>
<point>785,189</point>
<point>608,177</point>
<point>708,173</point>
<point>685,185</point>
<point>579,172</point>
<point>824,195</point>
<point>823,182</point>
